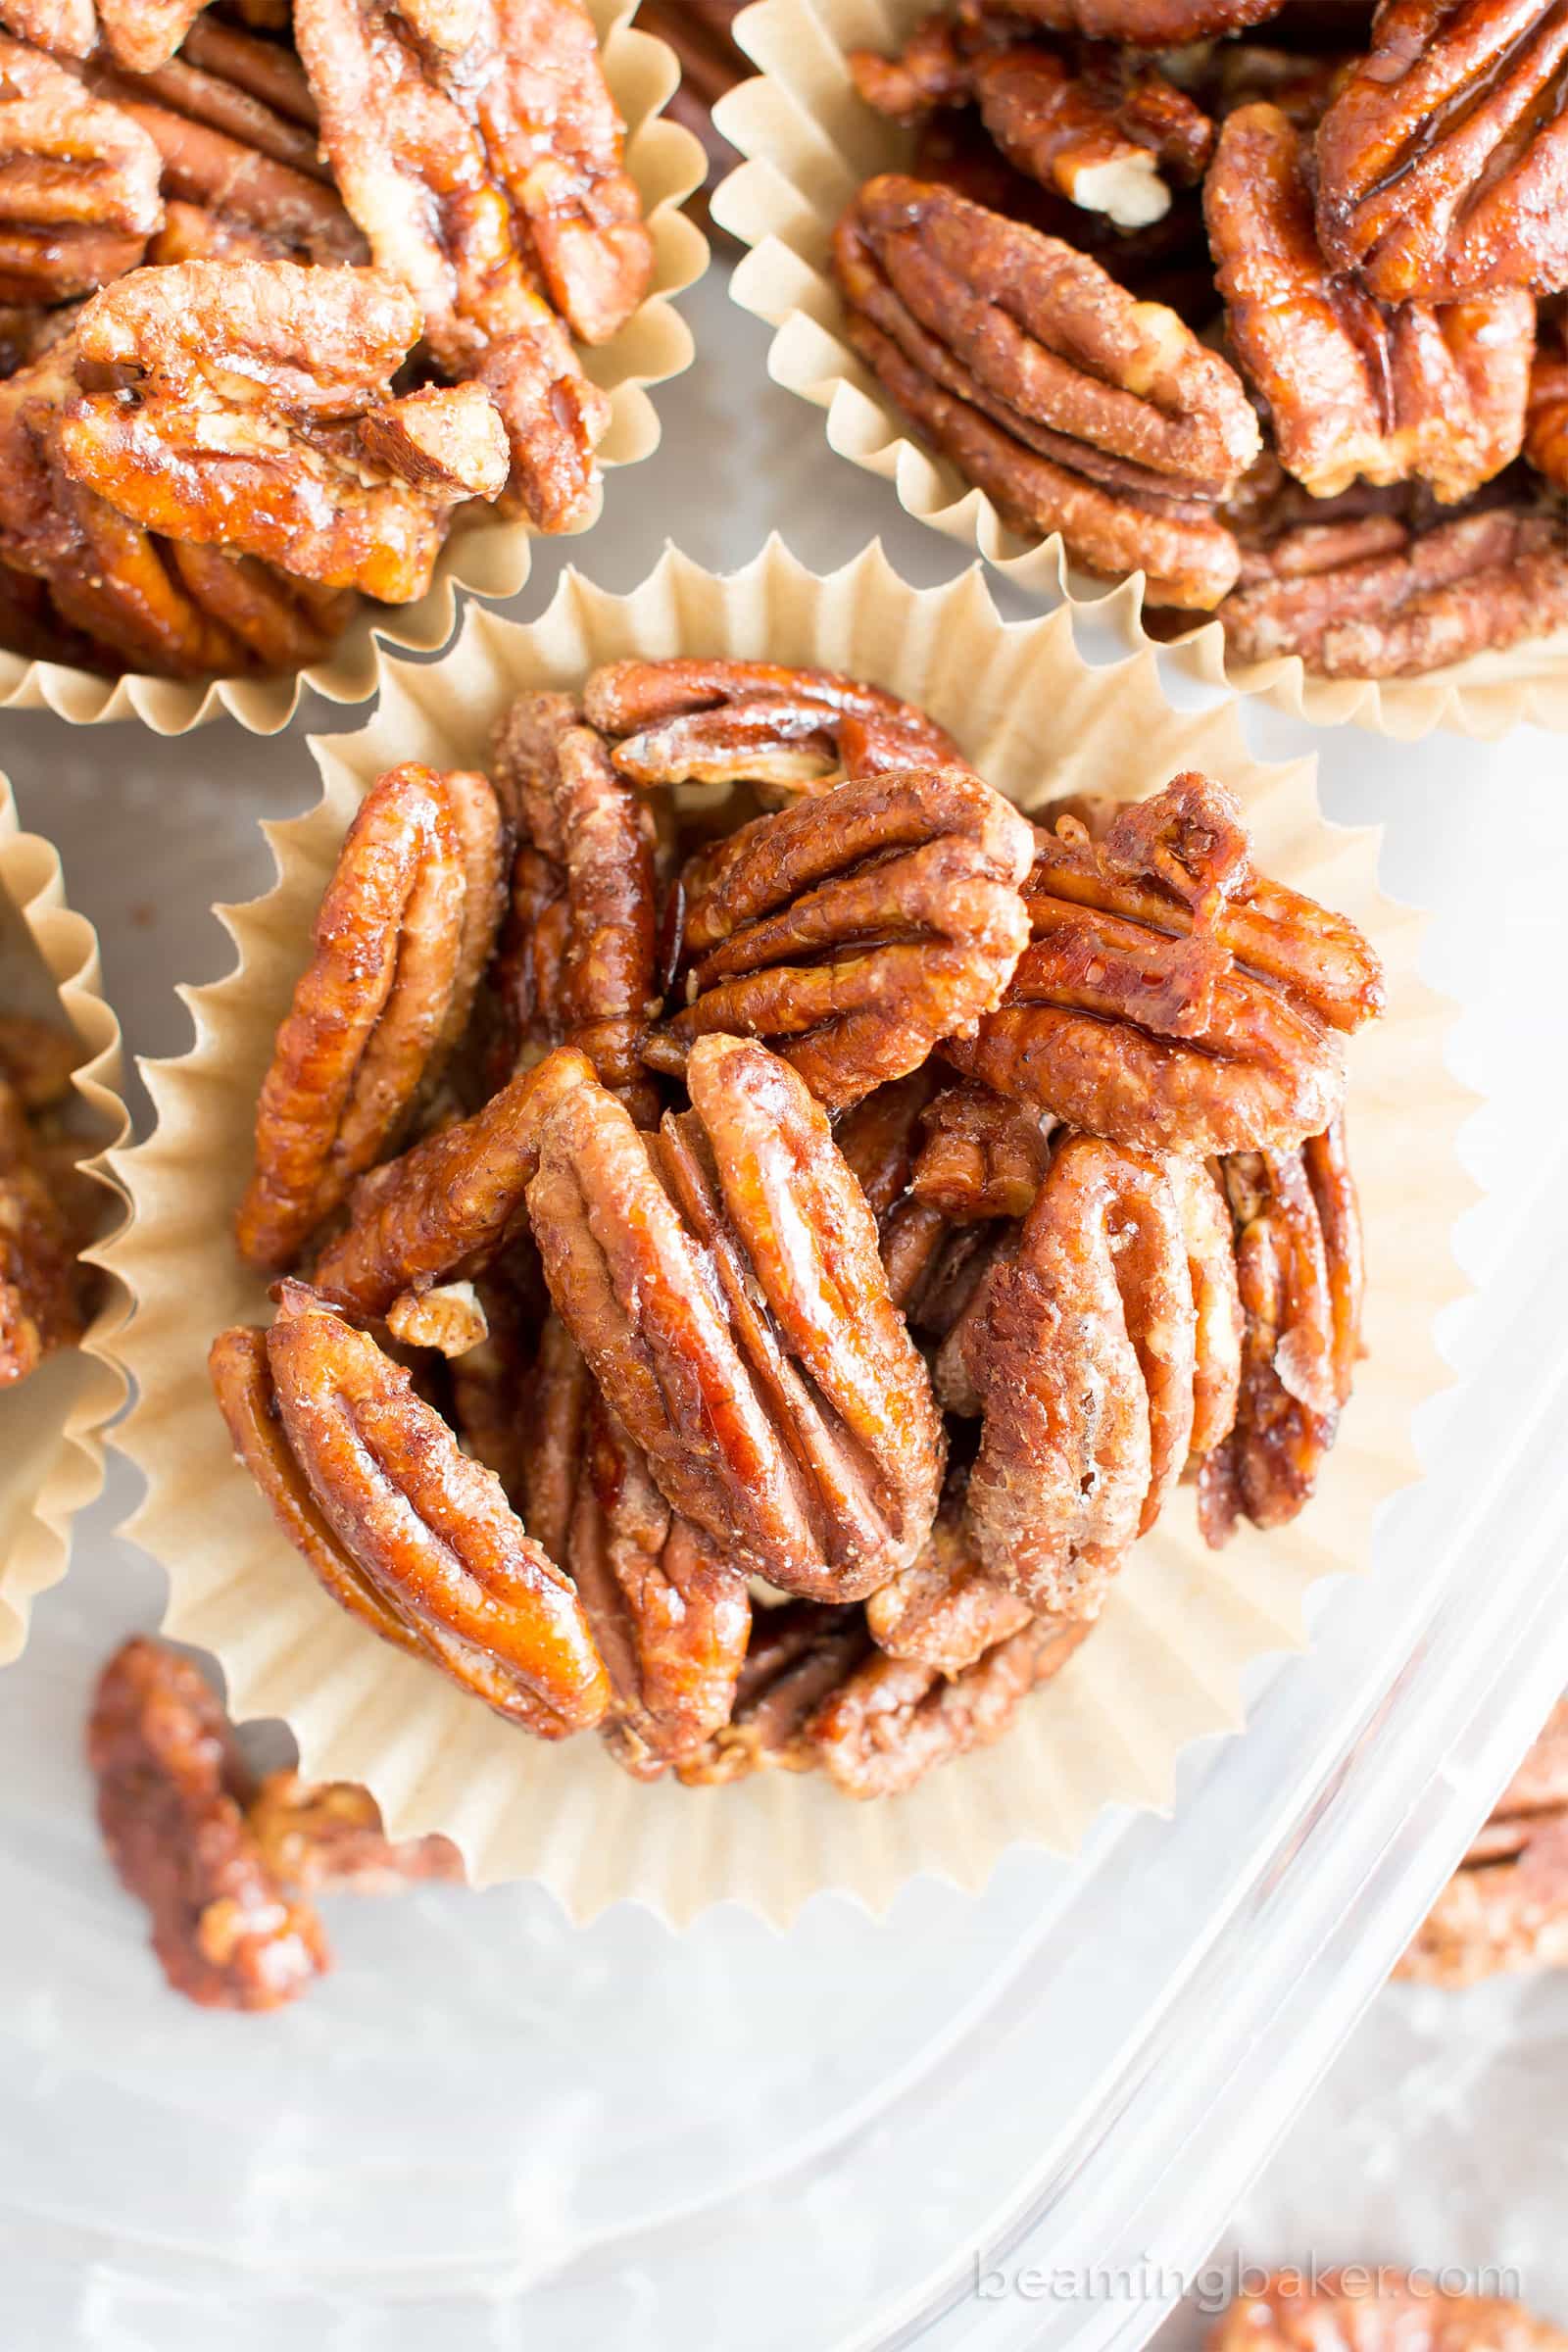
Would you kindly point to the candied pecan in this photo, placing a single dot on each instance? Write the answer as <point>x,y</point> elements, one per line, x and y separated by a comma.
<point>1367,2309</point>
<point>41,1289</point>
<point>79,184</point>
<point>880,1136</point>
<point>670,1617</point>
<point>722,1281</point>
<point>424,1534</point>
<point>1354,388</point>
<point>796,1656</point>
<point>557,1397</point>
<point>1505,1913</point>
<point>490,1388</point>
<point>36,1058</point>
<point>1301,1279</point>
<point>1171,999</point>
<point>139,33</point>
<point>1205,1218</point>
<point>1139,24</point>
<point>236,403</point>
<point>465,172</point>
<point>891,1720</point>
<point>323,1836</point>
<point>943,1611</point>
<point>171,1789</point>
<point>402,931</point>
<point>1382,598</point>
<point>1546,417</point>
<point>1442,163</point>
<point>857,928</point>
<point>982,1156</point>
<point>1073,407</point>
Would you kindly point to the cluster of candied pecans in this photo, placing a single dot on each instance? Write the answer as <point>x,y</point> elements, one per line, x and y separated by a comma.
<point>288,285</point>
<point>1254,296</point>
<point>759,1228</point>
<point>49,1209</point>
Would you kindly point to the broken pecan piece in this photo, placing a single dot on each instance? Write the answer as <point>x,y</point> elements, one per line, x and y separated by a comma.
<point>1075,408</point>
<point>319,1836</point>
<point>171,1789</point>
<point>722,1281</point>
<point>855,929</point>
<point>1171,999</point>
<point>1354,388</point>
<point>1442,163</point>
<point>79,184</point>
<point>402,934</point>
<point>248,406</point>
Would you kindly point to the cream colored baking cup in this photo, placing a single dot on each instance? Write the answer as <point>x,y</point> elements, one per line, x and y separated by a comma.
<point>51,1423</point>
<point>1182,1621</point>
<point>810,143</point>
<point>484,554</point>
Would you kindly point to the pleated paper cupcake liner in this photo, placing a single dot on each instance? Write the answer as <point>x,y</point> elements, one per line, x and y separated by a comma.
<point>1163,1668</point>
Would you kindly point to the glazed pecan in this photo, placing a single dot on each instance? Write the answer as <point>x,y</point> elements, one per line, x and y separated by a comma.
<point>1540,1783</point>
<point>1384,599</point>
<point>1302,1275</point>
<point>880,1136</point>
<point>470,169</point>
<point>79,184</point>
<point>722,1281</point>
<point>1546,417</point>
<point>491,1403</point>
<point>40,1286</point>
<point>855,928</point>
<point>893,1720</point>
<point>140,34</point>
<point>797,1655</point>
<point>1443,162</point>
<point>669,1616</point>
<point>402,934</point>
<point>1136,24</point>
<point>171,1789</point>
<point>1375,2310</point>
<point>981,1157</point>
<point>1354,388</point>
<point>557,1397</point>
<point>321,1837</point>
<point>438,1559</point>
<point>943,1611</point>
<point>248,406</point>
<point>1075,408</point>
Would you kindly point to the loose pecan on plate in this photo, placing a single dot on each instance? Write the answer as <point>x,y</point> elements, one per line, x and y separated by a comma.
<point>1171,998</point>
<point>1075,408</point>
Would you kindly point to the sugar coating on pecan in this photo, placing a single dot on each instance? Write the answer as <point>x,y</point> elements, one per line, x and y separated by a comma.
<point>724,1283</point>
<point>248,406</point>
<point>1073,406</point>
<point>1171,999</point>
<point>1356,388</point>
<point>855,929</point>
<point>1443,163</point>
<point>326,1836</point>
<point>171,1792</point>
<point>79,184</point>
<point>1367,2309</point>
<point>399,939</point>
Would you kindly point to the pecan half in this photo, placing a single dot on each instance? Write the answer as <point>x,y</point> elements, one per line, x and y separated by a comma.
<point>724,1283</point>
<point>440,1562</point>
<point>323,1836</point>
<point>1367,2309</point>
<point>402,934</point>
<point>1171,999</point>
<point>1075,408</point>
<point>79,184</point>
<point>856,929</point>
<point>1302,1276</point>
<point>40,1285</point>
<point>797,1655</point>
<point>944,1611</point>
<point>1443,162</point>
<point>248,407</point>
<point>1354,389</point>
<point>171,1789</point>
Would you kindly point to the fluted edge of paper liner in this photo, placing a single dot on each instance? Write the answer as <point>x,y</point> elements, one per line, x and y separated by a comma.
<point>52,1425</point>
<point>809,142</point>
<point>1163,1669</point>
<point>485,554</point>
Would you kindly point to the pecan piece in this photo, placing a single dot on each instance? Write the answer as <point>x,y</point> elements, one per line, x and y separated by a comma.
<point>669,1616</point>
<point>402,934</point>
<point>1171,999</point>
<point>856,929</point>
<point>944,1611</point>
<point>40,1285</point>
<point>139,33</point>
<point>1443,162</point>
<point>724,1283</point>
<point>1075,408</point>
<point>1354,389</point>
<point>1369,2310</point>
<point>797,1655</point>
<point>426,1536</point>
<point>242,412</point>
<point>79,184</point>
<point>172,1787</point>
<point>450,165</point>
<point>319,1836</point>
<point>982,1156</point>
<point>1301,1277</point>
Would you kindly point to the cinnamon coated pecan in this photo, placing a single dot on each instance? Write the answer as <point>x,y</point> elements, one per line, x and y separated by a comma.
<point>344,1450</point>
<point>401,938</point>
<point>722,1281</point>
<point>1366,2310</point>
<point>1075,408</point>
<point>1356,388</point>
<point>323,1836</point>
<point>171,1792</point>
<point>1172,998</point>
<point>248,406</point>
<point>855,929</point>
<point>79,184</point>
<point>1442,163</point>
